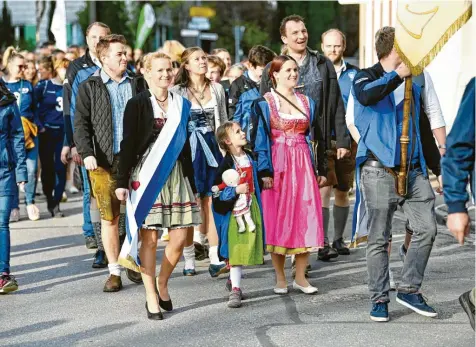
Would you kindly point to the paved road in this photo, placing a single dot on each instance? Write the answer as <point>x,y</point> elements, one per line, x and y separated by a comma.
<point>61,301</point>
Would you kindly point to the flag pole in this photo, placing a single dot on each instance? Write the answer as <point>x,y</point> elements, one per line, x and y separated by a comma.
<point>405,139</point>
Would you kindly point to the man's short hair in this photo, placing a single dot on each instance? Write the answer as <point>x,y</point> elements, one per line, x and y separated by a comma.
<point>384,40</point>
<point>99,24</point>
<point>218,50</point>
<point>334,30</point>
<point>216,61</point>
<point>260,55</point>
<point>291,18</point>
<point>104,43</point>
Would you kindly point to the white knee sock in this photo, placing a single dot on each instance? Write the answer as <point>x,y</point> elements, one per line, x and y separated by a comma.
<point>114,269</point>
<point>213,255</point>
<point>235,276</point>
<point>189,256</point>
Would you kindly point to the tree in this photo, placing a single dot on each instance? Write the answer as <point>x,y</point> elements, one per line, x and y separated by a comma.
<point>6,27</point>
<point>116,15</point>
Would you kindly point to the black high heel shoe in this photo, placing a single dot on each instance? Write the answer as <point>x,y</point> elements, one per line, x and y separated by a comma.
<point>165,305</point>
<point>153,316</point>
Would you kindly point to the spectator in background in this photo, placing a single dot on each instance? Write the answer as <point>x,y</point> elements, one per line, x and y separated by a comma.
<point>71,56</point>
<point>23,90</point>
<point>58,54</point>
<point>31,73</point>
<point>46,49</point>
<point>224,55</point>
<point>245,89</point>
<point>73,49</point>
<point>235,71</point>
<point>82,51</point>
<point>131,63</point>
<point>30,56</point>
<point>49,96</point>
<point>174,50</point>
<point>138,53</point>
<point>216,69</point>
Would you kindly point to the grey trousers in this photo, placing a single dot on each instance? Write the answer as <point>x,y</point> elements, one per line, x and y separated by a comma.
<point>381,200</point>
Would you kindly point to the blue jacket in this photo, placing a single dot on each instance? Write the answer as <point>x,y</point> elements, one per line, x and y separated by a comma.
<point>12,144</point>
<point>458,162</point>
<point>376,116</point>
<point>224,202</point>
<point>262,140</point>
<point>243,92</point>
<point>49,98</point>
<point>346,79</point>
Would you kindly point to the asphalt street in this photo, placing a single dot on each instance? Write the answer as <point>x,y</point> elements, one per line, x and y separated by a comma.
<point>60,301</point>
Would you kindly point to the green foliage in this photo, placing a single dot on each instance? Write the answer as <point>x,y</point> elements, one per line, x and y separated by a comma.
<point>6,28</point>
<point>116,15</point>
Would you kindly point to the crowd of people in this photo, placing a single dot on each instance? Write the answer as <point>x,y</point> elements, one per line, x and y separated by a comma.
<point>231,162</point>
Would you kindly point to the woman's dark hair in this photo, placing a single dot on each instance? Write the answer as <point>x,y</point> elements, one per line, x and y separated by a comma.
<point>182,78</point>
<point>276,65</point>
<point>48,64</point>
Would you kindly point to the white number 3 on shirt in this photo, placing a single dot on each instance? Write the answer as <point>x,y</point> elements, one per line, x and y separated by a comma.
<point>59,107</point>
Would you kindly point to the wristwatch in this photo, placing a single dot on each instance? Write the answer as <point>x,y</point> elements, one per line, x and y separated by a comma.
<point>442,146</point>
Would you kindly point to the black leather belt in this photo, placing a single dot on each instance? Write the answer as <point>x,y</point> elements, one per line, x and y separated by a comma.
<point>375,163</point>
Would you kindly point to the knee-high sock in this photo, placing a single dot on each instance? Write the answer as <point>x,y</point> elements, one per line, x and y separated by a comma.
<point>213,255</point>
<point>235,276</point>
<point>326,217</point>
<point>189,256</point>
<point>96,221</point>
<point>340,221</point>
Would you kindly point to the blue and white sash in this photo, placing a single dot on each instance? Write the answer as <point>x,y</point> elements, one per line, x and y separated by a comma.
<point>153,175</point>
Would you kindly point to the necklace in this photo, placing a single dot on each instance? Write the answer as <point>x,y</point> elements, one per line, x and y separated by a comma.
<point>162,102</point>
<point>201,94</point>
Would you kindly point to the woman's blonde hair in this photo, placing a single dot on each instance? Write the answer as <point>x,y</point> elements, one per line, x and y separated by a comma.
<point>173,49</point>
<point>61,64</point>
<point>148,58</point>
<point>10,54</point>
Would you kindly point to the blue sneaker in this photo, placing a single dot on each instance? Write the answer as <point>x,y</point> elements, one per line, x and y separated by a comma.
<point>417,303</point>
<point>379,312</point>
<point>189,272</point>
<point>216,270</point>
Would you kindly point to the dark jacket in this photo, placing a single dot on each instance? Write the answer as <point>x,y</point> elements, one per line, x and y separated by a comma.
<point>331,111</point>
<point>78,71</point>
<point>12,144</point>
<point>93,120</point>
<point>458,162</point>
<point>138,125</point>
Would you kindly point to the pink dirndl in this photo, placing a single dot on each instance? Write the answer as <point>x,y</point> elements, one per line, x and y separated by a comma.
<point>292,209</point>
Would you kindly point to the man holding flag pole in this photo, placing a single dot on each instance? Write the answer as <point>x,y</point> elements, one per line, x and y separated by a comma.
<point>391,168</point>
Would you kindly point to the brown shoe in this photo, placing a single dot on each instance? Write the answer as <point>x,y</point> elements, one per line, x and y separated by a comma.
<point>113,284</point>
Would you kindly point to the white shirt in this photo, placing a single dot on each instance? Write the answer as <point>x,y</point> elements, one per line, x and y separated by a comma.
<point>342,68</point>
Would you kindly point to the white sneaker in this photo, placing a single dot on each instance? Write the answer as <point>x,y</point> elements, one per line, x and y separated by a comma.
<point>73,190</point>
<point>306,290</point>
<point>14,215</point>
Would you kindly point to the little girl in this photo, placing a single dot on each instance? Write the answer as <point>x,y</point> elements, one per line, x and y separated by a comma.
<point>238,249</point>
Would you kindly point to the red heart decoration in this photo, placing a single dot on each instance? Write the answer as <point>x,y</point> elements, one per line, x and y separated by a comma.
<point>135,185</point>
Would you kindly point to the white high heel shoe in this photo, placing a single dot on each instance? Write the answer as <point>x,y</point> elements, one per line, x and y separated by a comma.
<point>306,290</point>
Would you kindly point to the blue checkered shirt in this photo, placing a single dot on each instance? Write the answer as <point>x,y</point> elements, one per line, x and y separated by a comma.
<point>119,93</point>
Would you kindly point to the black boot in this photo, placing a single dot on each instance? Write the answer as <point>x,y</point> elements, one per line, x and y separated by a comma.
<point>340,246</point>
<point>327,253</point>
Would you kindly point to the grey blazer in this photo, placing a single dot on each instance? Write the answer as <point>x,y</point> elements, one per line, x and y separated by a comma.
<point>221,115</point>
